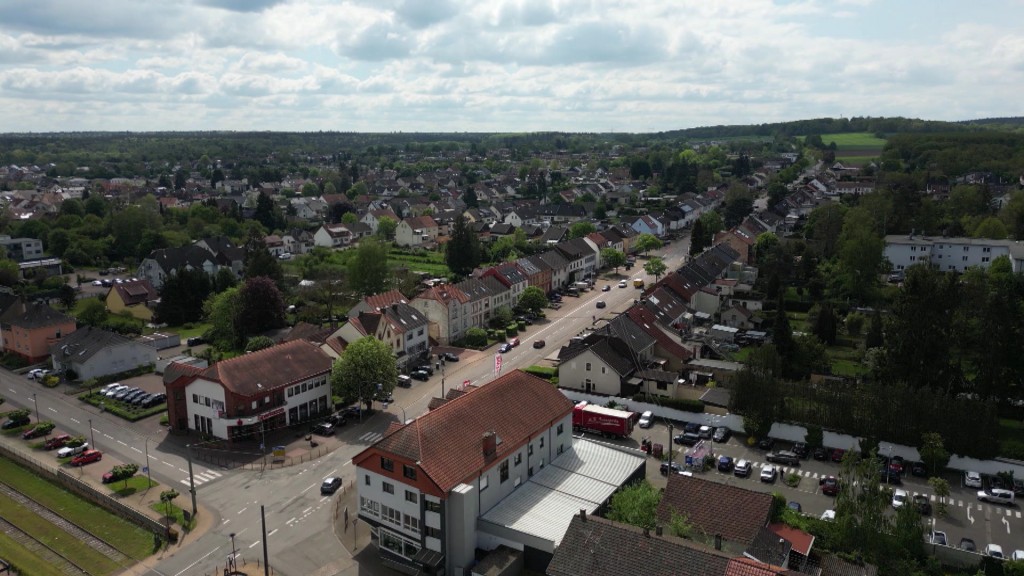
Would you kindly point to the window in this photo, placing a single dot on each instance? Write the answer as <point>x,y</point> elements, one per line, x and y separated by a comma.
<point>985,259</point>
<point>965,258</point>
<point>529,449</point>
<point>369,506</point>
<point>518,459</point>
<point>387,464</point>
<point>420,333</point>
<point>604,370</point>
<point>662,385</point>
<point>431,506</point>
<point>305,386</point>
<point>588,366</point>
<point>290,392</point>
<point>541,441</point>
<point>391,515</point>
<point>206,400</point>
<point>560,449</point>
<point>409,472</point>
<point>484,482</point>
<point>389,488</point>
<point>410,496</point>
<point>366,479</point>
<point>503,471</point>
<point>529,472</point>
<point>432,532</point>
<point>412,523</point>
<point>254,402</point>
<point>195,399</point>
<point>560,428</point>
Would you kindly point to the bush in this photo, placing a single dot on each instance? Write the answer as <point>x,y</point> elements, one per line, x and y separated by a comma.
<point>684,404</point>
<point>50,381</point>
<point>545,372</point>
<point>475,338</point>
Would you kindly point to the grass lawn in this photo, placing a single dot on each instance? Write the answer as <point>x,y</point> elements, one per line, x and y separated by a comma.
<point>186,333</point>
<point>130,539</point>
<point>1011,438</point>
<point>177,517</point>
<point>854,141</point>
<point>135,484</point>
<point>798,321</point>
<point>24,560</point>
<point>60,541</point>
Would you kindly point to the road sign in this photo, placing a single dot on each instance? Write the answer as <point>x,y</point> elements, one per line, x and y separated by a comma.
<point>145,469</point>
<point>497,364</point>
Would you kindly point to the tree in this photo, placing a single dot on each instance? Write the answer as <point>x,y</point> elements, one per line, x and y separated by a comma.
<point>267,213</point>
<point>469,197</point>
<point>125,472</point>
<point>349,218</point>
<point>941,488</point>
<point>655,267</point>
<point>933,453</point>
<point>310,189</point>
<point>765,246</point>
<point>874,337</point>
<point>697,244</point>
<point>647,242</point>
<point>635,504</point>
<point>462,253</point>
<point>259,261</point>
<point>222,311</point>
<point>824,323</point>
<point>261,307</point>
<point>854,324</point>
<point>860,253</point>
<point>782,333</point>
<point>368,270</point>
<point>533,299</point>
<point>68,297</point>
<point>613,258</point>
<point>386,228</point>
<point>167,496</point>
<point>824,225</point>
<point>502,317</point>
<point>258,343</point>
<point>182,295</point>
<point>365,366</point>
<point>475,337</point>
<point>990,227</point>
<point>93,313</point>
<point>581,228</point>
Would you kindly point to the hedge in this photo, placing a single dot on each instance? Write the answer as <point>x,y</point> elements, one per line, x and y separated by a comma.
<point>545,372</point>
<point>684,404</point>
<point>119,409</point>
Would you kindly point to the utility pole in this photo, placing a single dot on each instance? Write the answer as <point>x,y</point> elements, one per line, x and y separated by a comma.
<point>670,448</point>
<point>442,375</point>
<point>191,480</point>
<point>36,404</point>
<point>266,558</point>
<point>148,475</point>
<point>92,439</point>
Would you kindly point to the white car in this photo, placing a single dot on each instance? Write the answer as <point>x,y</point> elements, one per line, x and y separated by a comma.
<point>646,419</point>
<point>68,451</point>
<point>114,390</point>
<point>622,283</point>
<point>972,479</point>
<point>36,373</point>
<point>996,496</point>
<point>899,498</point>
<point>109,387</point>
<point>97,283</point>
<point>828,515</point>
<point>1017,556</point>
<point>768,473</point>
<point>993,550</point>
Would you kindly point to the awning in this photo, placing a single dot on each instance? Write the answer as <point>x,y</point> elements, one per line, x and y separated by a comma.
<point>427,557</point>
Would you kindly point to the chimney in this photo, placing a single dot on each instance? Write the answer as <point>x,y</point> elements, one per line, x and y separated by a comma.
<point>490,444</point>
<point>718,541</point>
<point>658,530</point>
<point>583,514</point>
<point>395,306</point>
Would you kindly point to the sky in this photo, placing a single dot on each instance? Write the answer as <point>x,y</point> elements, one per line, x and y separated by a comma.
<point>501,65</point>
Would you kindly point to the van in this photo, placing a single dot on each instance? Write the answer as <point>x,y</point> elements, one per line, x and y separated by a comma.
<point>638,283</point>
<point>404,381</point>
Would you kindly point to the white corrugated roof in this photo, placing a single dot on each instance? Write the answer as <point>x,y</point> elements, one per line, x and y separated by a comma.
<point>582,477</point>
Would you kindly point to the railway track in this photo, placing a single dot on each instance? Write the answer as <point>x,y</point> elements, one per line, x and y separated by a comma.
<point>51,556</point>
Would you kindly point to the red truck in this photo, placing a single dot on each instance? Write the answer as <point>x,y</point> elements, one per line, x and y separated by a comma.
<point>600,420</point>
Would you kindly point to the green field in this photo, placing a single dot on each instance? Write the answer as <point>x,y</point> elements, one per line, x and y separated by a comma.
<point>130,539</point>
<point>854,141</point>
<point>24,560</point>
<point>431,262</point>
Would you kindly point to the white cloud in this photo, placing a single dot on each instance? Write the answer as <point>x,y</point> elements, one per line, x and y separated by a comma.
<point>499,65</point>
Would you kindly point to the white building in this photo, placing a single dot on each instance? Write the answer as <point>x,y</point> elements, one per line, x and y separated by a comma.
<point>950,254</point>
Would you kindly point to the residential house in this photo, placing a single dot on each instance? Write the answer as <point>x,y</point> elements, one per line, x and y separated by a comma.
<point>538,273</point>
<point>138,297</point>
<point>668,352</point>
<point>512,277</point>
<point>93,353</point>
<point>226,254</point>
<point>399,325</point>
<point>565,213</point>
<point>583,256</point>
<point>298,241</point>
<point>265,390</point>
<point>332,236</point>
<point>375,302</point>
<point>560,267</point>
<point>554,235</point>
<point>521,216</point>
<point>736,316</point>
<point>950,254</point>
<point>275,245</point>
<point>598,364</point>
<point>447,310</point>
<point>486,295</point>
<point>704,503</point>
<point>648,225</point>
<point>165,261</point>
<point>21,249</point>
<point>416,231</point>
<point>372,218</point>
<point>495,465</point>
<point>639,342</point>
<point>29,330</point>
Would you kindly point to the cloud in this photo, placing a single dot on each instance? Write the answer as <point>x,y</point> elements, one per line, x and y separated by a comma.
<point>241,5</point>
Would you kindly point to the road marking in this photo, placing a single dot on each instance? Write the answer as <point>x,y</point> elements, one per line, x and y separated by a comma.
<point>182,470</point>
<point>332,473</point>
<point>290,521</point>
<point>108,436</point>
<point>75,421</point>
<point>226,520</point>
<point>51,410</point>
<point>254,544</point>
<point>1007,522</point>
<point>243,510</point>
<point>136,449</point>
<point>185,482</point>
<point>306,510</point>
<point>13,390</point>
<point>189,567</point>
<point>168,464</point>
<point>304,491</point>
<point>121,443</point>
<point>271,533</point>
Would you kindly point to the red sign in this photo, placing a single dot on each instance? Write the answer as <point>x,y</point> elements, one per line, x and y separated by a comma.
<point>271,414</point>
<point>465,384</point>
<point>497,363</point>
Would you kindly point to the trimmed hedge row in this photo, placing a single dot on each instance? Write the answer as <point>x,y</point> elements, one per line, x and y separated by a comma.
<point>684,404</point>
<point>118,409</point>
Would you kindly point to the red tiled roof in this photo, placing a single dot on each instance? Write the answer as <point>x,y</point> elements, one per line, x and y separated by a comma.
<point>136,292</point>
<point>743,566</point>
<point>735,513</point>
<point>384,299</point>
<point>270,368</point>
<point>648,323</point>
<point>801,541</point>
<point>447,441</point>
<point>444,293</point>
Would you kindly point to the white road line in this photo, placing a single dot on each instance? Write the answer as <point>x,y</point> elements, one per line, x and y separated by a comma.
<point>290,521</point>
<point>168,464</point>
<point>108,436</point>
<point>122,443</point>
<point>254,544</point>
<point>332,473</point>
<point>215,474</point>
<point>185,482</point>
<point>189,567</point>
<point>136,449</point>
<point>226,520</point>
<point>243,510</point>
<point>13,390</point>
<point>51,410</point>
<point>304,491</point>
<point>75,421</point>
<point>306,510</point>
<point>182,470</point>
<point>271,533</point>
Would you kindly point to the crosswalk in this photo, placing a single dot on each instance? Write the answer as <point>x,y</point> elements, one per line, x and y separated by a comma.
<point>998,510</point>
<point>202,477</point>
<point>371,437</point>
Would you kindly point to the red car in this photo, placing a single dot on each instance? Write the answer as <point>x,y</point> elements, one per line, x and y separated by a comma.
<point>36,432</point>
<point>56,442</point>
<point>514,342</point>
<point>87,457</point>
<point>829,485</point>
<point>837,455</point>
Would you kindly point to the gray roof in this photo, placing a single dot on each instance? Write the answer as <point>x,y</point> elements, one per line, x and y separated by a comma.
<point>35,315</point>
<point>84,343</point>
<point>554,233</point>
<point>609,349</point>
<point>554,259</point>
<point>626,330</point>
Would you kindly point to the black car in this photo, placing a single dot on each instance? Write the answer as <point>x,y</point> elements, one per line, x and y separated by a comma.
<point>676,468</point>
<point>691,427</point>
<point>324,429</point>
<point>337,419</point>
<point>924,507</point>
<point>426,368</point>
<point>721,434</point>
<point>801,449</point>
<point>420,375</point>
<point>601,304</point>
<point>687,439</point>
<point>918,469</point>
<point>330,485</point>
<point>380,396</point>
<point>155,400</point>
<point>725,464</point>
<point>821,453</point>
<point>195,341</point>
<point>766,444</point>
<point>783,457</point>
<point>449,357</point>
<point>14,423</point>
<point>887,476</point>
<point>140,400</point>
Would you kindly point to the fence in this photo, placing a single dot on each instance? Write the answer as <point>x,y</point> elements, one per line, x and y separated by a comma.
<point>253,461</point>
<point>86,491</point>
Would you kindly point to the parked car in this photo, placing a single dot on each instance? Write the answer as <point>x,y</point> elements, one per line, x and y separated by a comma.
<point>742,469</point>
<point>705,432</point>
<point>330,485</point>
<point>426,368</point>
<point>939,537</point>
<point>801,449</point>
<point>795,506</point>
<point>687,439</point>
<point>504,348</point>
<point>993,550</point>
<point>120,394</point>
<point>538,343</point>
<point>725,464</point>
<point>155,400</point>
<point>114,390</point>
<point>68,451</point>
<point>56,442</point>
<point>36,373</point>
<point>601,304</point>
<point>41,429</point>
<point>337,419</point>
<point>968,545</point>
<point>1018,486</point>
<point>721,434</point>
<point>899,498</point>
<point>821,453</point>
<point>15,422</point>
<point>87,457</point>
<point>769,473</point>
<point>766,443</point>
<point>1017,556</point>
<point>783,457</point>
<point>838,454</point>
<point>141,399</point>
<point>829,485</point>
<point>972,479</point>
<point>622,283</point>
<point>886,476</point>
<point>676,468</point>
<point>324,429</point>
<point>131,396</point>
<point>996,496</point>
<point>924,507</point>
<point>421,375</point>
<point>195,341</point>
<point>646,419</point>
<point>514,342</point>
<point>918,469</point>
<point>828,515</point>
<point>449,357</point>
<point>897,464</point>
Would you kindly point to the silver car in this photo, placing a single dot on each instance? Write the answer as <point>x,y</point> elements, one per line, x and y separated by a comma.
<point>996,496</point>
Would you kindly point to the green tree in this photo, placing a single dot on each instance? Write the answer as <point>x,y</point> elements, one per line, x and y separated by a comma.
<point>462,253</point>
<point>823,322</point>
<point>581,228</point>
<point>93,312</point>
<point>368,270</point>
<point>475,337</point>
<point>756,387</point>
<point>655,267</point>
<point>267,213</point>
<point>502,317</point>
<point>635,504</point>
<point>349,218</point>
<point>533,299</point>
<point>125,472</point>
<point>386,228</point>
<point>647,242</point>
<point>258,343</point>
<point>310,190</point>
<point>259,261</point>
<point>697,241</point>
<point>765,246</point>
<point>860,253</point>
<point>222,312</point>
<point>933,453</point>
<point>168,496</point>
<point>824,225</point>
<point>782,333</point>
<point>68,297</point>
<point>469,197</point>
<point>58,242</point>
<point>874,337</point>
<point>613,258</point>
<point>182,295</point>
<point>990,227</point>
<point>940,486</point>
<point>854,324</point>
<point>261,307</point>
<point>364,365</point>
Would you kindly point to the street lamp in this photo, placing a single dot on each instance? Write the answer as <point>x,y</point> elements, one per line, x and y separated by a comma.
<point>232,564</point>
<point>92,439</point>
<point>36,404</point>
